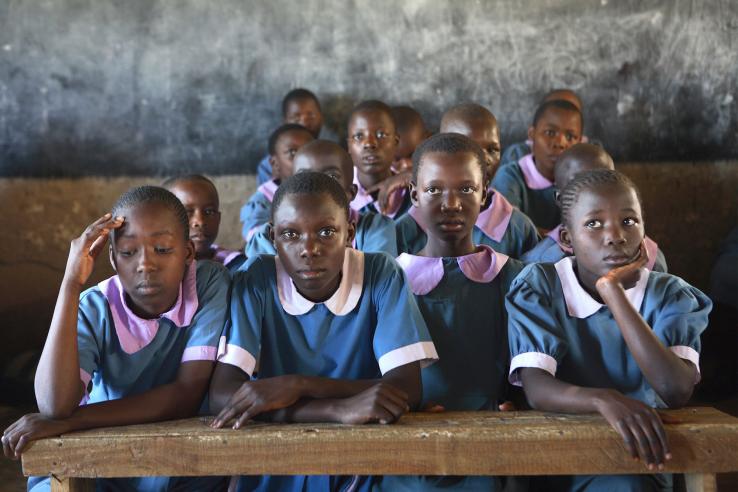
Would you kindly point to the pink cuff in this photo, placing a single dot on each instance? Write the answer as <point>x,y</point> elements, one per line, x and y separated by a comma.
<point>425,352</point>
<point>690,354</point>
<point>531,359</point>
<point>236,356</point>
<point>200,352</point>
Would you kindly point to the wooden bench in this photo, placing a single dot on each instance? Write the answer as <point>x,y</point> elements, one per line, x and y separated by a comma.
<point>703,442</point>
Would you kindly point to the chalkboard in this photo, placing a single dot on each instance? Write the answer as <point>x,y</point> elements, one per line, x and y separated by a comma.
<point>159,87</point>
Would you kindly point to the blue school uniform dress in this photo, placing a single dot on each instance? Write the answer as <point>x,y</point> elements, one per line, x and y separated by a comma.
<point>551,250</point>
<point>463,303</point>
<point>399,201</point>
<point>556,326</point>
<point>263,171</point>
<point>232,260</point>
<point>124,355</point>
<point>514,152</point>
<point>257,210</point>
<point>375,233</point>
<point>369,326</point>
<point>528,190</point>
<point>500,225</point>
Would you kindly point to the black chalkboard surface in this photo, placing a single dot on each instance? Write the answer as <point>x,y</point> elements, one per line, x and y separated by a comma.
<point>155,87</point>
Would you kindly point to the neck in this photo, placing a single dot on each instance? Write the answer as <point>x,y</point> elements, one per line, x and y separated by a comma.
<point>146,312</point>
<point>321,295</point>
<point>437,248</point>
<point>369,180</point>
<point>588,282</point>
<point>543,172</point>
<point>205,255</point>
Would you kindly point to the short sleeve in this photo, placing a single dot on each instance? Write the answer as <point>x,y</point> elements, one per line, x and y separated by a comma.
<point>534,334</point>
<point>260,243</point>
<point>682,319</point>
<point>506,183</point>
<point>242,335</point>
<point>254,214</point>
<point>203,333</point>
<point>376,234</point>
<point>401,335</point>
<point>91,316</point>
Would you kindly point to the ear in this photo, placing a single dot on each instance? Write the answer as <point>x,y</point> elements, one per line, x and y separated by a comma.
<point>275,166</point>
<point>484,195</point>
<point>112,258</point>
<point>397,139</point>
<point>190,252</point>
<point>531,132</point>
<point>414,193</point>
<point>353,190</point>
<point>565,237</point>
<point>351,234</point>
<point>270,227</point>
<point>557,197</point>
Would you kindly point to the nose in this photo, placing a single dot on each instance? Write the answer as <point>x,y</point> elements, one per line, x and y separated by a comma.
<point>615,234</point>
<point>196,219</point>
<point>559,140</point>
<point>310,247</point>
<point>450,202</point>
<point>146,261</point>
<point>370,141</point>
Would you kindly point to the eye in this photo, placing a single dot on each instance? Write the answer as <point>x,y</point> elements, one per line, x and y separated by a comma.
<point>592,224</point>
<point>162,250</point>
<point>289,234</point>
<point>433,190</point>
<point>125,253</point>
<point>468,190</point>
<point>630,221</point>
<point>291,153</point>
<point>327,232</point>
<point>357,137</point>
<point>571,137</point>
<point>549,133</point>
<point>382,134</point>
<point>209,212</point>
<point>335,176</point>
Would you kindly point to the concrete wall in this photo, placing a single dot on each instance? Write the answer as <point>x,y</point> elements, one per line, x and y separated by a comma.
<point>689,208</point>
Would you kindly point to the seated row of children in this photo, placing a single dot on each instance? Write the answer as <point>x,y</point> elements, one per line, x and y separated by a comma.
<point>329,327</point>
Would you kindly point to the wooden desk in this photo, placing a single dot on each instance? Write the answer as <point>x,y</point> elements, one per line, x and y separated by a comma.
<point>704,442</point>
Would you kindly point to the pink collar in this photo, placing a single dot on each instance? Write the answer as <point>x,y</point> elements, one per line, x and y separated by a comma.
<point>578,301</point>
<point>224,256</point>
<point>494,220</point>
<point>268,189</point>
<point>363,199</point>
<point>425,273</point>
<point>135,333</point>
<point>342,302</point>
<point>651,247</point>
<point>533,178</point>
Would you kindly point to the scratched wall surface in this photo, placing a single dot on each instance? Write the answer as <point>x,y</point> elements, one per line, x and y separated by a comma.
<point>153,87</point>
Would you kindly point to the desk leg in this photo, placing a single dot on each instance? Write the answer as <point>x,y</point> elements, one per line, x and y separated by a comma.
<point>72,484</point>
<point>700,482</point>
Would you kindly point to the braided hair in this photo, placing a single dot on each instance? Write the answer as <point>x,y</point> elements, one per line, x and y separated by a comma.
<point>311,183</point>
<point>153,194</point>
<point>591,180</point>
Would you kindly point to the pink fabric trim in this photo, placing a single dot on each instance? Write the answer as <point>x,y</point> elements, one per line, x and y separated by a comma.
<point>533,178</point>
<point>425,352</point>
<point>579,303</point>
<point>200,352</point>
<point>135,333</point>
<point>253,231</point>
<point>224,256</point>
<point>86,378</point>
<point>482,266</point>
<point>653,250</point>
<point>494,221</point>
<point>363,199</point>
<point>268,189</point>
<point>531,359</point>
<point>343,300</point>
<point>237,356</point>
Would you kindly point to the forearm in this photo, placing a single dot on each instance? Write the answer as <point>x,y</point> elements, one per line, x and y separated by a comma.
<point>306,410</point>
<point>671,377</point>
<point>316,387</point>
<point>545,392</point>
<point>57,382</point>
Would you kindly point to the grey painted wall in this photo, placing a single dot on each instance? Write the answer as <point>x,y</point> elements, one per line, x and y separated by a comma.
<point>158,87</point>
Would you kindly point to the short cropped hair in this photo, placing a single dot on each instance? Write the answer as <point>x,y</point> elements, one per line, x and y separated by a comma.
<point>276,134</point>
<point>170,182</point>
<point>448,143</point>
<point>310,183</point>
<point>153,194</point>
<point>298,95</point>
<point>556,103</point>
<point>374,105</point>
<point>589,181</point>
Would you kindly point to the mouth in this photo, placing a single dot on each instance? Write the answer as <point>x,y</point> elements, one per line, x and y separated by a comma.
<point>451,225</point>
<point>620,259</point>
<point>148,288</point>
<point>311,273</point>
<point>370,158</point>
<point>199,238</point>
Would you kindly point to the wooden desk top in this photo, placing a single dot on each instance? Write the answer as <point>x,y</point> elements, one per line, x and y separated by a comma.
<point>455,443</point>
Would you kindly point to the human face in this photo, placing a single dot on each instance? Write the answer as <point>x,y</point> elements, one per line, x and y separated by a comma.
<point>310,234</point>
<point>409,141</point>
<point>287,146</point>
<point>150,254</point>
<point>557,130</point>
<point>200,199</point>
<point>333,165</point>
<point>305,112</point>
<point>448,195</point>
<point>372,143</point>
<point>485,135</point>
<point>605,232</point>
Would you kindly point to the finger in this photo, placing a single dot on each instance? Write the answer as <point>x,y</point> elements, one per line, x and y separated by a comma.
<point>644,450</point>
<point>233,408</point>
<point>395,395</point>
<point>95,229</point>
<point>433,408</point>
<point>507,406</point>
<point>654,443</point>
<point>658,427</point>
<point>21,445</point>
<point>668,418</point>
<point>628,439</point>
<point>98,244</point>
<point>247,415</point>
<point>382,415</point>
<point>7,451</point>
<point>393,408</point>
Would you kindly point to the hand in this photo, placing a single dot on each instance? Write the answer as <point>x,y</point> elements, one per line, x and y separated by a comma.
<point>86,248</point>
<point>639,425</point>
<point>403,164</point>
<point>507,406</point>
<point>431,407</point>
<point>30,428</point>
<point>627,275</point>
<point>389,186</point>
<point>381,403</point>
<point>255,397</point>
